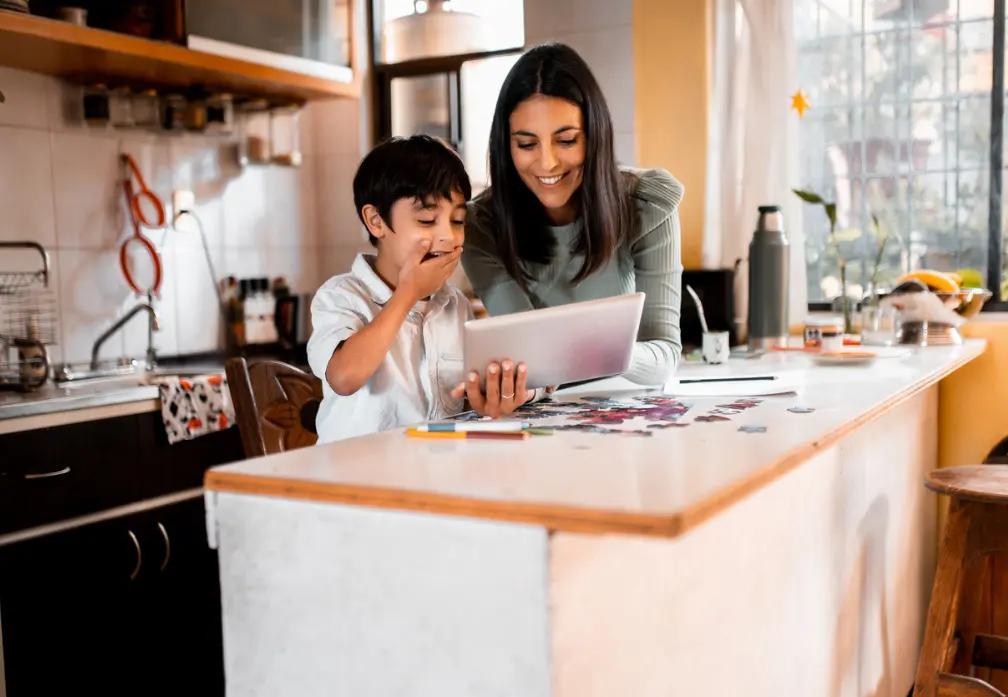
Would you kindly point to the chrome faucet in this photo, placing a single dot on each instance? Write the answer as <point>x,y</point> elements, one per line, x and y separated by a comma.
<point>153,325</point>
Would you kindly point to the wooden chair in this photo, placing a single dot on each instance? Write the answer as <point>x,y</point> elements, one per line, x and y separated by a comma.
<point>977,527</point>
<point>275,405</point>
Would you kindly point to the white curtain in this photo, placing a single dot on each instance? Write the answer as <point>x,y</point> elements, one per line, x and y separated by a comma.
<point>752,155</point>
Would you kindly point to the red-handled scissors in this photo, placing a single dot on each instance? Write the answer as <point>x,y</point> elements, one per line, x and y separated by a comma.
<point>144,207</point>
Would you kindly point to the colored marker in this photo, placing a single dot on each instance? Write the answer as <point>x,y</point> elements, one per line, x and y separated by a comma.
<point>473,426</point>
<point>488,435</point>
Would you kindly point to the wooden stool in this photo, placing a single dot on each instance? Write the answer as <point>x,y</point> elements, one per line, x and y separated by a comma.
<point>977,526</point>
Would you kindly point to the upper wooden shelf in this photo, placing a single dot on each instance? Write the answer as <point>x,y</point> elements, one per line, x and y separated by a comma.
<point>84,54</point>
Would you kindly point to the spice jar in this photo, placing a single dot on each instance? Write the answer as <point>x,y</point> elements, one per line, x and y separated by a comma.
<point>173,112</point>
<point>253,133</point>
<point>817,328</point>
<point>121,108</point>
<point>285,142</point>
<point>195,115</point>
<point>145,109</point>
<point>96,105</point>
<point>219,113</point>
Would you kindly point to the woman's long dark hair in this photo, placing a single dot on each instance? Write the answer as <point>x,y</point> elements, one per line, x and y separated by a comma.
<point>519,220</point>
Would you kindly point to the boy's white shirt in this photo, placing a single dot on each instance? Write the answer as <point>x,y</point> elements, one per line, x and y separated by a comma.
<point>424,363</point>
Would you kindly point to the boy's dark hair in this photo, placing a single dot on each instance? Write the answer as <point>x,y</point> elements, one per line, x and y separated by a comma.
<point>416,167</point>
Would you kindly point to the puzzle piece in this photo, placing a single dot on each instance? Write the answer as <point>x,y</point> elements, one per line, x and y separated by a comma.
<point>750,428</point>
<point>801,410</point>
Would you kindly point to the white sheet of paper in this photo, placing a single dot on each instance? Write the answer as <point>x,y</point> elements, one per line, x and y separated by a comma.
<point>784,384</point>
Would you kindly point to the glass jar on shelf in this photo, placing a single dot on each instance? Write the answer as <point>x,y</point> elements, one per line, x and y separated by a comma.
<point>285,140</point>
<point>253,124</point>
<point>220,113</point>
<point>96,105</point>
<point>173,112</point>
<point>146,108</point>
<point>121,108</point>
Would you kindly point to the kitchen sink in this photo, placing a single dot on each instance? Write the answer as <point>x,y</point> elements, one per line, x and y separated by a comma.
<point>127,375</point>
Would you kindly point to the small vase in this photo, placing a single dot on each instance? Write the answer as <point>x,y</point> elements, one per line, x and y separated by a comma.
<point>837,308</point>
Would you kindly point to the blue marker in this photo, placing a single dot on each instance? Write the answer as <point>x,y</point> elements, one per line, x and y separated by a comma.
<point>473,426</point>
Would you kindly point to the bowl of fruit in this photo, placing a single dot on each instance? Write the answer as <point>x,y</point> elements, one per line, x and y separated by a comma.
<point>934,304</point>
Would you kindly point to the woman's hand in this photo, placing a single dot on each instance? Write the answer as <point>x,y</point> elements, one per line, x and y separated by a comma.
<point>505,389</point>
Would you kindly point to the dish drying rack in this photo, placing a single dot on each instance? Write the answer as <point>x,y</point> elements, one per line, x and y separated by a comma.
<point>28,321</point>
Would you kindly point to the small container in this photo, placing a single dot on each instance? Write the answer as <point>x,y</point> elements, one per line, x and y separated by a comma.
<point>196,115</point>
<point>173,112</point>
<point>146,108</point>
<point>96,105</point>
<point>814,328</point>
<point>832,340</point>
<point>220,113</point>
<point>121,108</point>
<point>74,15</point>
<point>285,142</point>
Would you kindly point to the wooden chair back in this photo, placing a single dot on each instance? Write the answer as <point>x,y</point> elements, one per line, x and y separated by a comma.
<point>275,405</point>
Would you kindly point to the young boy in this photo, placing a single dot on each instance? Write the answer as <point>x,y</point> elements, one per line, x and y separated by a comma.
<point>387,337</point>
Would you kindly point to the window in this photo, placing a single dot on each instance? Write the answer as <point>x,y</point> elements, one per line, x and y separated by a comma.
<point>439,65</point>
<point>900,128</point>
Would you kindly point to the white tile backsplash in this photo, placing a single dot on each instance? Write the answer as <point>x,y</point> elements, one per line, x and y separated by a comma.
<point>26,185</point>
<point>60,185</point>
<point>27,100</point>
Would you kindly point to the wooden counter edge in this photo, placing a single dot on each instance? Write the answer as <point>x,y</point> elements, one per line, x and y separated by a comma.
<point>567,518</point>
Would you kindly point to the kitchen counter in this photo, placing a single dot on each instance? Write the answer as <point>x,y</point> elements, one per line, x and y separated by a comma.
<point>587,482</point>
<point>703,559</point>
<point>90,400</point>
<point>110,397</point>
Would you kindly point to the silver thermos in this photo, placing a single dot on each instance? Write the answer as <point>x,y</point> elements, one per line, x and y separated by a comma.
<point>769,257</point>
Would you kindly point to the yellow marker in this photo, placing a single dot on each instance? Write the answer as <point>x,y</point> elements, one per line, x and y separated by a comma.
<point>458,435</point>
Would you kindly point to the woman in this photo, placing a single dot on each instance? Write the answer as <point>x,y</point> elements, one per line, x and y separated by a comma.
<point>563,223</point>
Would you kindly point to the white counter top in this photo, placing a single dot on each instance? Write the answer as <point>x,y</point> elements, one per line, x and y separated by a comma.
<point>580,481</point>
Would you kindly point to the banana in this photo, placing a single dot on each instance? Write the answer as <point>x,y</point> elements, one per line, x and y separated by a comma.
<point>937,281</point>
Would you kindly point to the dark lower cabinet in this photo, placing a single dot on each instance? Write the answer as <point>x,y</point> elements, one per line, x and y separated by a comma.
<point>128,606</point>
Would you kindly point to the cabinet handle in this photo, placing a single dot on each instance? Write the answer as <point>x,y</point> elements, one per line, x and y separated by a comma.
<point>167,546</point>
<point>136,543</point>
<point>46,475</point>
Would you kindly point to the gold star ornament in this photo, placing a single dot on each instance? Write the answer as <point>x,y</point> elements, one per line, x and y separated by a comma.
<point>799,102</point>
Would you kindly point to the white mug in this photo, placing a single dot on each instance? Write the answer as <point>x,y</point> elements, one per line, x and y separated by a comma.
<point>715,347</point>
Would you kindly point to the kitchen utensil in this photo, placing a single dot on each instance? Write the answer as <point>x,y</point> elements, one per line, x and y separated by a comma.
<point>28,312</point>
<point>74,15</point>
<point>15,5</point>
<point>769,269</point>
<point>699,308</point>
<point>137,246</point>
<point>916,330</point>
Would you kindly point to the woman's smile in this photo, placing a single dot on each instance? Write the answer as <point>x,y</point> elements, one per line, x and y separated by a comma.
<point>552,181</point>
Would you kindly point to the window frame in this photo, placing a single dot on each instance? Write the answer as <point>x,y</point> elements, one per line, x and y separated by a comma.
<point>995,221</point>
<point>382,75</point>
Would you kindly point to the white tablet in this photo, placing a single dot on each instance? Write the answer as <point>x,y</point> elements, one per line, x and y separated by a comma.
<point>560,345</point>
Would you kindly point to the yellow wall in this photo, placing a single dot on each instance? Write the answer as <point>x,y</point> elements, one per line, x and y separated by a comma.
<point>973,403</point>
<point>671,73</point>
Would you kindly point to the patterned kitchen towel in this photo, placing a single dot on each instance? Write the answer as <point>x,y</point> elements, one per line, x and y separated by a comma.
<point>192,407</point>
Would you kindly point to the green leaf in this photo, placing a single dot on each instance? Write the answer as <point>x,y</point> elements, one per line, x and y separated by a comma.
<point>875,222</point>
<point>831,213</point>
<point>808,196</point>
<point>847,234</point>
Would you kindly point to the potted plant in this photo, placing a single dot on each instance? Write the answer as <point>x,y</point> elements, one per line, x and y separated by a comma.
<point>830,208</point>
